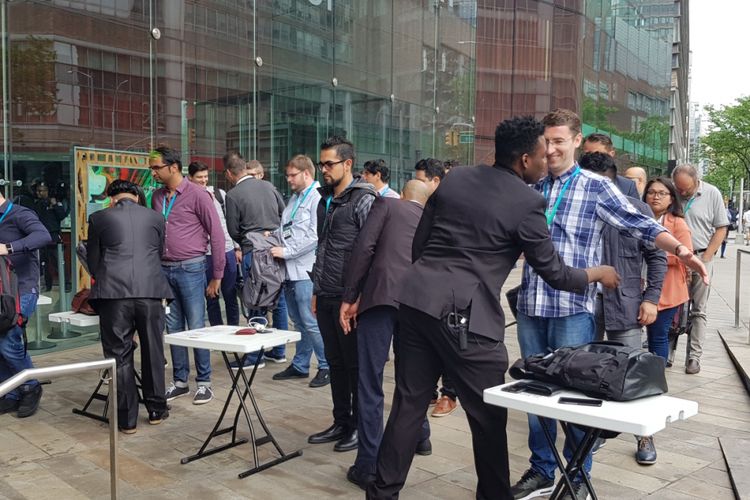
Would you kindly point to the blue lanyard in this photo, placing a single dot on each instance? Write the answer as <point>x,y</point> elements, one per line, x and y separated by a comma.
<point>2,218</point>
<point>551,213</point>
<point>687,207</point>
<point>385,191</point>
<point>328,203</point>
<point>166,210</point>
<point>301,200</point>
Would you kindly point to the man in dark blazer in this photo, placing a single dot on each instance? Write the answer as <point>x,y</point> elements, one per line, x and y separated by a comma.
<point>474,228</point>
<point>379,260</point>
<point>125,245</point>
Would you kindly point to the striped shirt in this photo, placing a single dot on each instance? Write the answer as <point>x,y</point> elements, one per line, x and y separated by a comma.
<point>589,202</point>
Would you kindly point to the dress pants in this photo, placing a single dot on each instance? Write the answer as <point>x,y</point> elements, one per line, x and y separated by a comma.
<point>427,348</point>
<point>341,354</point>
<point>119,319</point>
<point>375,329</point>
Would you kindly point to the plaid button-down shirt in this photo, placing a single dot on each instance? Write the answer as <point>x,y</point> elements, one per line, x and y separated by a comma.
<point>589,202</point>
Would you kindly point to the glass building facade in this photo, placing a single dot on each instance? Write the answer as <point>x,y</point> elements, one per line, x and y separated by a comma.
<point>403,80</point>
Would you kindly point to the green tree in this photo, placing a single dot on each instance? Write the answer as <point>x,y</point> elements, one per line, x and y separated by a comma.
<point>32,70</point>
<point>727,144</point>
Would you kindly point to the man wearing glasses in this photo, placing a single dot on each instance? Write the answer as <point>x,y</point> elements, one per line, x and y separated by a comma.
<point>344,206</point>
<point>191,223</point>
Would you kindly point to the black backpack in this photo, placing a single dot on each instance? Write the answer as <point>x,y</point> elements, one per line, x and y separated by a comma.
<point>603,370</point>
<point>10,300</point>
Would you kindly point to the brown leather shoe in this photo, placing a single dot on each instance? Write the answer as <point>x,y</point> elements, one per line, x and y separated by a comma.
<point>693,367</point>
<point>444,407</point>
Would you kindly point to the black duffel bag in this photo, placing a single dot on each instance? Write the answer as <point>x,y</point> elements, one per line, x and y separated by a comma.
<point>604,370</point>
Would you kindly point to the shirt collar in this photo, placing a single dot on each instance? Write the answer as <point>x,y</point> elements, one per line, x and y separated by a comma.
<point>567,174</point>
<point>244,177</point>
<point>182,185</point>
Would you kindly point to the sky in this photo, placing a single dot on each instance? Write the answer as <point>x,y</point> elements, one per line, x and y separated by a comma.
<point>719,43</point>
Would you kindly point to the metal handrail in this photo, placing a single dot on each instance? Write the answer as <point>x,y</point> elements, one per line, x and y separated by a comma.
<point>737,279</point>
<point>53,371</point>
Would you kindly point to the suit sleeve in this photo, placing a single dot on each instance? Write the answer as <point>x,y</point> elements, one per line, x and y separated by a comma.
<point>93,252</point>
<point>364,251</point>
<point>35,237</point>
<point>540,253</point>
<point>424,228</point>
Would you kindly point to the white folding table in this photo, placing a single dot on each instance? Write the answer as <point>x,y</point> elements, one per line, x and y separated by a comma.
<point>222,338</point>
<point>642,417</point>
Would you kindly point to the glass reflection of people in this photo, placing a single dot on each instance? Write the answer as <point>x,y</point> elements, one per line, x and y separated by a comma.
<point>51,211</point>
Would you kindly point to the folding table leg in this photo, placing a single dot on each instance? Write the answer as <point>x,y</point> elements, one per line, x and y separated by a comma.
<point>577,462</point>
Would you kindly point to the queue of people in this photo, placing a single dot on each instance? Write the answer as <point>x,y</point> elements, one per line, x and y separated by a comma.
<point>366,268</point>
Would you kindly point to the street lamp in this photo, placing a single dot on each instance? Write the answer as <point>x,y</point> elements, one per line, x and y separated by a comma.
<point>91,97</point>
<point>114,110</point>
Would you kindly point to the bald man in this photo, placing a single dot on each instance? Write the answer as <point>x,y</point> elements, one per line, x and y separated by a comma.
<point>639,176</point>
<point>380,258</point>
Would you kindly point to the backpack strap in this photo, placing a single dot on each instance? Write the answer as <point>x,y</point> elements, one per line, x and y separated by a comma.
<point>219,195</point>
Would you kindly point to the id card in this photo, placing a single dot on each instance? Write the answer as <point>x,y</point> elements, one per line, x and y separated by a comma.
<point>286,230</point>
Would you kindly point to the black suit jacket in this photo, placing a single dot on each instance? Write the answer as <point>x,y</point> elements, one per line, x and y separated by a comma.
<point>627,187</point>
<point>474,228</point>
<point>125,244</point>
<point>382,253</point>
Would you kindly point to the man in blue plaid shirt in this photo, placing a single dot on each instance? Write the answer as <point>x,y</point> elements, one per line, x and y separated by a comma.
<point>579,203</point>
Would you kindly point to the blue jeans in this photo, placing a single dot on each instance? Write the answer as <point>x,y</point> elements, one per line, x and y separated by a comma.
<point>658,332</point>
<point>228,292</point>
<point>299,301</point>
<point>278,317</point>
<point>538,335</point>
<point>187,312</point>
<point>13,357</point>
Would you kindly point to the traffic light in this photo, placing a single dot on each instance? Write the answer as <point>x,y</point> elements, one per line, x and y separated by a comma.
<point>451,138</point>
<point>191,136</point>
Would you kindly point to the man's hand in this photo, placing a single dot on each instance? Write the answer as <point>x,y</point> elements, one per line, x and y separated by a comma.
<point>693,262</point>
<point>277,252</point>
<point>606,275</point>
<point>348,316</point>
<point>647,313</point>
<point>238,256</point>
<point>53,201</point>
<point>314,305</point>
<point>3,249</point>
<point>212,290</point>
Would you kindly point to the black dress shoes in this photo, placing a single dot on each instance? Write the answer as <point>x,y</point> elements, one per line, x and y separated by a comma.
<point>348,443</point>
<point>424,448</point>
<point>333,433</point>
<point>360,478</point>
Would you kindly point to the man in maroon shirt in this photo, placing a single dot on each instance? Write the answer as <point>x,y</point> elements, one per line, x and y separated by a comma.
<point>191,224</point>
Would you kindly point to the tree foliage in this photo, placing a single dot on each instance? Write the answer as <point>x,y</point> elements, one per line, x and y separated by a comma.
<point>727,144</point>
<point>33,75</point>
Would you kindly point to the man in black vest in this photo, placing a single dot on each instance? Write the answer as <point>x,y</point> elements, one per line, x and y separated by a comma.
<point>343,209</point>
<point>124,250</point>
<point>474,228</point>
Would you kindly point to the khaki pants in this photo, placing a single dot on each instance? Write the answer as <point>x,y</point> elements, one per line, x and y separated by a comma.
<point>699,296</point>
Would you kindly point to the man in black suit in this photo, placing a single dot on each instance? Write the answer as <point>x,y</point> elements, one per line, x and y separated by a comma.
<point>379,260</point>
<point>125,245</point>
<point>474,228</point>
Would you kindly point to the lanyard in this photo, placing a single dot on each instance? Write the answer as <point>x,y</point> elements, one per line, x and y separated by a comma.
<point>2,218</point>
<point>689,203</point>
<point>166,210</point>
<point>551,213</point>
<point>301,200</point>
<point>385,191</point>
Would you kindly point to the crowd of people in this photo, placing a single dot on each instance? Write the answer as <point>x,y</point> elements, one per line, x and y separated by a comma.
<point>604,256</point>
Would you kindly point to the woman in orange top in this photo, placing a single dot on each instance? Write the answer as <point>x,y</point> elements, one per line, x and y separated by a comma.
<point>661,196</point>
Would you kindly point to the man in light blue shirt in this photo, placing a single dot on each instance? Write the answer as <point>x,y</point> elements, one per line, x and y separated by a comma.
<point>377,173</point>
<point>298,229</point>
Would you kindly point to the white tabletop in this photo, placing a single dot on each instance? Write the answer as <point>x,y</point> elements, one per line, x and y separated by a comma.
<point>222,338</point>
<point>74,318</point>
<point>642,417</point>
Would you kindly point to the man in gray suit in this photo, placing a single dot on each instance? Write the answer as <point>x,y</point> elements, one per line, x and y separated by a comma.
<point>125,246</point>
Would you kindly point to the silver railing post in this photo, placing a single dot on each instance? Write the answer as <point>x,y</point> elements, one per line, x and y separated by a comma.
<point>53,371</point>
<point>737,278</point>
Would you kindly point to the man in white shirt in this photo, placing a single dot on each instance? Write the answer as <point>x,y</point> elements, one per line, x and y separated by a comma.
<point>377,173</point>
<point>299,230</point>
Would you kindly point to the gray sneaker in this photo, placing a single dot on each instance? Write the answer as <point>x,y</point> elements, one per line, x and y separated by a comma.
<point>174,392</point>
<point>646,454</point>
<point>532,484</point>
<point>203,395</point>
<point>580,492</point>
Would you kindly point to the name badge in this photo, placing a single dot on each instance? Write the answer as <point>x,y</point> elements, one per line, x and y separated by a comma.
<point>287,230</point>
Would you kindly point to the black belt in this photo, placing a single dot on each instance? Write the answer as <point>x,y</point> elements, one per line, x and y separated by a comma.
<point>696,252</point>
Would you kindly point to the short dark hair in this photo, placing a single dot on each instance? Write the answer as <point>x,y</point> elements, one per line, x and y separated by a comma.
<point>235,164</point>
<point>344,147</point>
<point>675,208</point>
<point>602,139</point>
<point>168,155</point>
<point>378,166</point>
<point>516,137</point>
<point>119,186</point>
<point>431,167</point>
<point>195,167</point>
<point>563,117</point>
<point>599,163</point>
<point>229,155</point>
